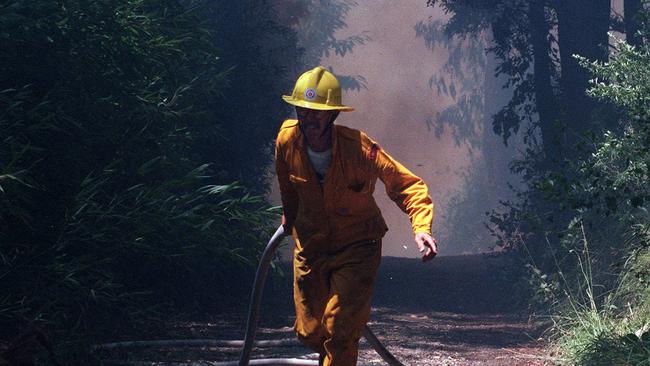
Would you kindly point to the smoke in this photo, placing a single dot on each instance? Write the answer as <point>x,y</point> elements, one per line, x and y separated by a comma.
<point>417,95</point>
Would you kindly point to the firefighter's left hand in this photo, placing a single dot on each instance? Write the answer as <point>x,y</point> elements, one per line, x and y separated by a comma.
<point>427,245</point>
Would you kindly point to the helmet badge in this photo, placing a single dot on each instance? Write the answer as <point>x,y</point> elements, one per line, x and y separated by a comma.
<point>310,94</point>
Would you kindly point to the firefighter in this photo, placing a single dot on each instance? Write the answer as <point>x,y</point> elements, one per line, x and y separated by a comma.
<point>327,175</point>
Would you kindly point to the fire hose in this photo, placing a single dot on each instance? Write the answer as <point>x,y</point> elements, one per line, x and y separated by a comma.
<point>251,326</point>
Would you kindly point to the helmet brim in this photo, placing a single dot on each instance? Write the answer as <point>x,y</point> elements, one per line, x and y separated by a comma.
<point>318,106</point>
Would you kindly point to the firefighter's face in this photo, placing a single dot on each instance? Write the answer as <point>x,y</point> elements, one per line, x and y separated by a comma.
<point>315,123</point>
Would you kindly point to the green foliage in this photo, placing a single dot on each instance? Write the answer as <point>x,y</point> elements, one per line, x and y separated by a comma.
<point>618,333</point>
<point>601,301</point>
<point>625,80</point>
<point>595,338</point>
<point>117,201</point>
<point>581,223</point>
<point>606,190</point>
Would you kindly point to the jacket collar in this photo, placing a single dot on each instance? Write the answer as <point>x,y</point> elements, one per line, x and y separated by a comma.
<point>299,140</point>
<point>335,167</point>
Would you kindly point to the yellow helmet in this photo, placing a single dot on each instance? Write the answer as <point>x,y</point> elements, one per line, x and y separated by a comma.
<point>317,89</point>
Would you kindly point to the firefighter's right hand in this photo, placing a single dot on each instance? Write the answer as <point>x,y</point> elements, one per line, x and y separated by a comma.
<point>288,227</point>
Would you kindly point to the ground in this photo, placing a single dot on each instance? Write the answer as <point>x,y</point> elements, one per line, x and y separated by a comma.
<point>441,338</point>
<point>452,311</point>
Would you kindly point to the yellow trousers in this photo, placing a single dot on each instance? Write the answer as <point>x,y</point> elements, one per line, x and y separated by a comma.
<point>332,296</point>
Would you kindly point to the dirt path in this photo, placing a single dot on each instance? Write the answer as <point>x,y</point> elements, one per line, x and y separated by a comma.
<point>440,338</point>
<point>456,311</point>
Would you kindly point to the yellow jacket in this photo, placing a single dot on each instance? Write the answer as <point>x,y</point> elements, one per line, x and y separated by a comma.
<point>342,211</point>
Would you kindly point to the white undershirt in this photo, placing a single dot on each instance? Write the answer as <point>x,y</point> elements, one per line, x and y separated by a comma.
<point>320,161</point>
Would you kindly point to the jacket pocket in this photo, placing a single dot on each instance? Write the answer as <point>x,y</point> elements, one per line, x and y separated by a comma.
<point>362,187</point>
<point>353,203</point>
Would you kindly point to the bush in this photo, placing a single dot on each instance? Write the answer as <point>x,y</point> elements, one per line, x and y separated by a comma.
<point>610,325</point>
<point>113,211</point>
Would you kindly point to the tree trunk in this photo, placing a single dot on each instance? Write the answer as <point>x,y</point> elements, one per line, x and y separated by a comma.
<point>494,151</point>
<point>582,30</point>
<point>545,100</point>
<point>631,9</point>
